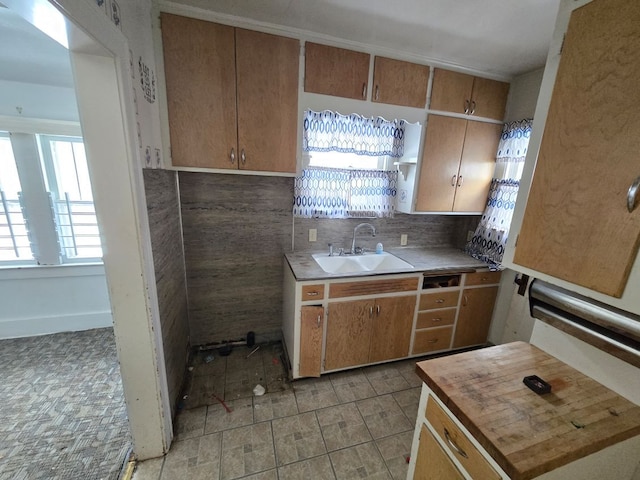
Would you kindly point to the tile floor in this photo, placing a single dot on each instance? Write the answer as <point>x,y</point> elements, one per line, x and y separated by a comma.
<point>356,424</point>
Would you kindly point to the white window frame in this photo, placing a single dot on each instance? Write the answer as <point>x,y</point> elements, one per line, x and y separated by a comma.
<point>36,200</point>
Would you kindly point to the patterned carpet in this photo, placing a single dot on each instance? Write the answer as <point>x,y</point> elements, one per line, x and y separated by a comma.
<point>63,414</point>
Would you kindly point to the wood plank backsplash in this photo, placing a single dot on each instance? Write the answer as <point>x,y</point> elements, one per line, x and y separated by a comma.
<point>236,230</point>
<point>163,210</point>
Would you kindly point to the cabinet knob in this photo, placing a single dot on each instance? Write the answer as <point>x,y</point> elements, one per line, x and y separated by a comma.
<point>466,106</point>
<point>473,107</point>
<point>378,310</point>
<point>243,157</point>
<point>318,320</point>
<point>465,300</point>
<point>232,156</point>
<point>632,195</point>
<point>364,91</point>
<point>370,312</point>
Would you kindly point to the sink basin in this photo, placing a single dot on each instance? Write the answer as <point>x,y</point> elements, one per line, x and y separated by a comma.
<point>368,262</point>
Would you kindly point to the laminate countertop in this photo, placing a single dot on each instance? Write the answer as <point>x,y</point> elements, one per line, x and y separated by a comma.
<point>529,434</point>
<point>433,260</point>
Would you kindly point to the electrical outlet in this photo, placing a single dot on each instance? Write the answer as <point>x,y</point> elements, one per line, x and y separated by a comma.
<point>403,239</point>
<point>313,234</point>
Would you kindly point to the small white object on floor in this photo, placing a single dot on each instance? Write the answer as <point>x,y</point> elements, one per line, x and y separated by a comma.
<point>258,390</point>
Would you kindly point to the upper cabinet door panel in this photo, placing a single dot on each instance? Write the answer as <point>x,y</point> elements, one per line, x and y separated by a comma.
<point>267,83</point>
<point>440,162</point>
<point>400,83</point>
<point>489,98</point>
<point>451,91</point>
<point>336,71</point>
<point>200,74</point>
<point>576,225</point>
<point>476,166</point>
<point>461,93</point>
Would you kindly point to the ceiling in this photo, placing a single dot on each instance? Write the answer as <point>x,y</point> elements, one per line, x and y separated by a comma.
<point>502,38</point>
<point>29,56</point>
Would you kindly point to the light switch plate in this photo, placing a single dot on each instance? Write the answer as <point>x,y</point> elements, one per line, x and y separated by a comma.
<point>403,239</point>
<point>313,234</point>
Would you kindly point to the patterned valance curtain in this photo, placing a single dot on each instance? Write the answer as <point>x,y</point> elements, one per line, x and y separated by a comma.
<point>329,131</point>
<point>490,238</point>
<point>343,193</point>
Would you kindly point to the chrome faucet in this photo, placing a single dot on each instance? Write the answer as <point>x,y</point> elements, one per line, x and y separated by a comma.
<point>355,249</point>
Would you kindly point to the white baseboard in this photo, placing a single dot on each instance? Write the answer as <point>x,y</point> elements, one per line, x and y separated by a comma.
<point>30,327</point>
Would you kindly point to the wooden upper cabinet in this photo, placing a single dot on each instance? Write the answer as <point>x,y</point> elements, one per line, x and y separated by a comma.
<point>461,93</point>
<point>267,83</point>
<point>476,166</point>
<point>441,155</point>
<point>232,96</point>
<point>336,71</point>
<point>201,91</point>
<point>457,164</point>
<point>576,224</point>
<point>399,83</point>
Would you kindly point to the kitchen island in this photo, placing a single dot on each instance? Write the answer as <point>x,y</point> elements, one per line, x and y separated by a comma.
<point>477,419</point>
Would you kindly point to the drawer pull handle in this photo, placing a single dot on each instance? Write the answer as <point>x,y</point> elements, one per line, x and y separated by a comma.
<point>370,312</point>
<point>435,340</point>
<point>378,310</point>
<point>318,320</point>
<point>440,300</point>
<point>313,294</point>
<point>437,319</point>
<point>453,445</point>
<point>364,91</point>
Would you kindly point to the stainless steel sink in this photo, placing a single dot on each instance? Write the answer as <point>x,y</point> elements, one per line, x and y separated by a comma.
<point>365,263</point>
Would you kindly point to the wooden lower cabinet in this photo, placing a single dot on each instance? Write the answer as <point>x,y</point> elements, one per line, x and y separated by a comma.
<point>474,316</point>
<point>367,331</point>
<point>391,333</point>
<point>348,334</point>
<point>432,462</point>
<point>311,325</point>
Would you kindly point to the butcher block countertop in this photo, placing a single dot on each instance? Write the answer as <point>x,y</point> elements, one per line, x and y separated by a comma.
<point>529,434</point>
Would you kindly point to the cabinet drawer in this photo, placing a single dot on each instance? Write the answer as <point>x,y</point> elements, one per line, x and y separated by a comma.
<point>436,318</point>
<point>432,340</point>
<point>482,278</point>
<point>439,300</point>
<point>459,445</point>
<point>312,292</point>
<point>372,287</point>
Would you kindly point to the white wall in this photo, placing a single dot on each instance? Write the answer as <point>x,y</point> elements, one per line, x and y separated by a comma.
<point>30,100</point>
<point>42,300</point>
<point>511,319</point>
<point>523,95</point>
